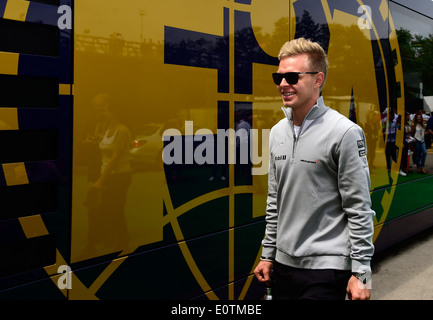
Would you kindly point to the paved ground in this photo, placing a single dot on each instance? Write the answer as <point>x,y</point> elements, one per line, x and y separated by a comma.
<point>428,162</point>
<point>405,271</point>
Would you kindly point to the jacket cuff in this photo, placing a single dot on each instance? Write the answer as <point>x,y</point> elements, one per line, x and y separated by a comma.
<point>362,271</point>
<point>268,253</point>
<point>360,266</point>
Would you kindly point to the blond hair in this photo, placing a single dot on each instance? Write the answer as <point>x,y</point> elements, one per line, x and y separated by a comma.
<point>316,55</point>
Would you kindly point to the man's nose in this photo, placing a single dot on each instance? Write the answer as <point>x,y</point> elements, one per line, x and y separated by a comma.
<point>284,82</point>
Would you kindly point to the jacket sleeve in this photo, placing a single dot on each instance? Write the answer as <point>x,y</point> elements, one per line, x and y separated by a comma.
<point>354,187</point>
<point>269,241</point>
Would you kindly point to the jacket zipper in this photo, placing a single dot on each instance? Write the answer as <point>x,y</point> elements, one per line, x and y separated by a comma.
<point>296,139</point>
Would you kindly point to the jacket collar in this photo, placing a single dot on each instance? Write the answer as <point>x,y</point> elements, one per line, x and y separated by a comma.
<point>315,112</point>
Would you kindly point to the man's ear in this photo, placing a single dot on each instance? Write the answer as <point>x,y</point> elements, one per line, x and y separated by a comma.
<point>320,78</point>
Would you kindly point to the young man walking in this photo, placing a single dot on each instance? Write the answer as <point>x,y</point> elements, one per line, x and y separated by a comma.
<point>318,242</point>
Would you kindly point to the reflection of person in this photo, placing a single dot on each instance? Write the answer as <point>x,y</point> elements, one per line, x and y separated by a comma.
<point>243,165</point>
<point>94,132</point>
<point>372,130</point>
<point>406,141</point>
<point>391,149</point>
<point>319,219</point>
<point>112,184</point>
<point>429,132</point>
<point>418,129</point>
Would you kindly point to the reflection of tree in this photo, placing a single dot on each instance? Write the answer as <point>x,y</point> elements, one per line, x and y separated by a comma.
<point>417,57</point>
<point>115,45</point>
<point>274,40</point>
<point>343,35</point>
<point>307,28</point>
<point>280,34</point>
<point>425,55</point>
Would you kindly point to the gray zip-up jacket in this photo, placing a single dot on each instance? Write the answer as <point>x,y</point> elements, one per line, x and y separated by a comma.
<point>319,212</point>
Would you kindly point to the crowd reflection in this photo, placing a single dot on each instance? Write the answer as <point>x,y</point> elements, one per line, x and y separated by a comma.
<point>113,153</point>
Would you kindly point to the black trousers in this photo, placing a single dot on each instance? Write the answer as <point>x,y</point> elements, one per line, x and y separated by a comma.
<point>290,283</point>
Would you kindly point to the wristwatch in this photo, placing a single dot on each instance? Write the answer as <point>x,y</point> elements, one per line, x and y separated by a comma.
<point>361,276</point>
<point>266,259</point>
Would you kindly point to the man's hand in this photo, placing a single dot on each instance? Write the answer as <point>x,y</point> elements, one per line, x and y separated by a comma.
<point>263,272</point>
<point>356,290</point>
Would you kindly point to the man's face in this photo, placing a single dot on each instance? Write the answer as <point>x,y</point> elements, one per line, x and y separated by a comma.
<point>304,93</point>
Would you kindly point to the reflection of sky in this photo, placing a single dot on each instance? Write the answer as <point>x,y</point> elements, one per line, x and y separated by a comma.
<point>132,18</point>
<point>407,19</point>
<point>422,6</point>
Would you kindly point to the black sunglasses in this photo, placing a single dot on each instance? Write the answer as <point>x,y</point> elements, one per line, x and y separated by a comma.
<point>291,77</point>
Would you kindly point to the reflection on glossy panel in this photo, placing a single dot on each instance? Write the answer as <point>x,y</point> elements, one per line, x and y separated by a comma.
<point>142,75</point>
<point>163,78</point>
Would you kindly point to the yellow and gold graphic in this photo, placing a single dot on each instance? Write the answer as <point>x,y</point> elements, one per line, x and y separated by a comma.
<point>145,69</point>
<point>16,10</point>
